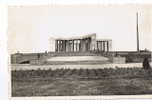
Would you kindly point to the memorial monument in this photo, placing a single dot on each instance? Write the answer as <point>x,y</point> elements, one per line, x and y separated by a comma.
<point>82,44</point>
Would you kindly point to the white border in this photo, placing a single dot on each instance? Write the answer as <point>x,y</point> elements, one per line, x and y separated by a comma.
<point>4,76</point>
<point>108,97</point>
<point>4,73</point>
<point>73,2</point>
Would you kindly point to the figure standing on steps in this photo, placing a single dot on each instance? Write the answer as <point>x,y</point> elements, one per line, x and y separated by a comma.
<point>146,64</point>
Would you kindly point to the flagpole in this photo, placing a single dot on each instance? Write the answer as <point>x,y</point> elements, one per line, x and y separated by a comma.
<point>137,32</point>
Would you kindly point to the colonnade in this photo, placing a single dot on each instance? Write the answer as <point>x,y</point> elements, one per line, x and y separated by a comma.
<point>75,45</point>
<point>81,45</point>
<point>103,46</point>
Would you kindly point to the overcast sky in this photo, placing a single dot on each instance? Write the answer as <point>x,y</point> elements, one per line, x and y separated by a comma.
<point>30,27</point>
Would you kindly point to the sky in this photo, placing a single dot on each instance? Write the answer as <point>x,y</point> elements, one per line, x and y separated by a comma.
<point>30,27</point>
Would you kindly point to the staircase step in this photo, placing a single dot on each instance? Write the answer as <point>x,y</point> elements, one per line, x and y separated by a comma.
<point>61,60</point>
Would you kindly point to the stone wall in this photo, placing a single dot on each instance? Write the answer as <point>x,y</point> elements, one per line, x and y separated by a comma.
<point>119,60</point>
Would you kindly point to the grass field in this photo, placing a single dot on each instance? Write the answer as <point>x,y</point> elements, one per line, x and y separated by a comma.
<point>74,82</point>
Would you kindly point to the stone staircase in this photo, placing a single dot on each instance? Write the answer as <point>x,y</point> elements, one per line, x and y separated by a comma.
<point>77,58</point>
<point>61,58</point>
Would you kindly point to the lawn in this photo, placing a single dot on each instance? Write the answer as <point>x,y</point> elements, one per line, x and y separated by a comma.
<point>75,82</point>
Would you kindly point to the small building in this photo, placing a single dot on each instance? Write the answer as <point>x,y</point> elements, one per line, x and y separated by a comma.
<point>82,44</point>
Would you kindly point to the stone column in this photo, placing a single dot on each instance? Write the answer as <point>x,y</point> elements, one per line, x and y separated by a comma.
<point>59,46</point>
<point>83,45</point>
<point>72,45</point>
<point>110,45</point>
<point>56,45</point>
<point>87,44</point>
<point>80,44</point>
<point>107,46</point>
<point>104,46</point>
<point>93,43</point>
<point>76,44</point>
<point>97,46</point>
<point>63,45</point>
<point>67,45</point>
<point>101,45</point>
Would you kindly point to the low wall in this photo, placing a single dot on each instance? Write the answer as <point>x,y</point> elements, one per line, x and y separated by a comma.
<point>46,67</point>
